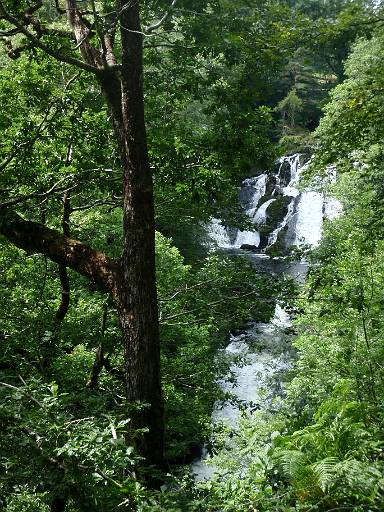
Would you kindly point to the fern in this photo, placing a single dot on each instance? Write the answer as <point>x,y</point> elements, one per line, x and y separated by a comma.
<point>291,463</point>
<point>325,471</point>
<point>359,477</point>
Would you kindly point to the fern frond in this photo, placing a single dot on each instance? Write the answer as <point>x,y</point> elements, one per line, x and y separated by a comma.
<point>325,471</point>
<point>359,476</point>
<point>290,462</point>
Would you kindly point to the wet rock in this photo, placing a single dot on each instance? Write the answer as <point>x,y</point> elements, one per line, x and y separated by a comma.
<point>284,171</point>
<point>252,189</point>
<point>249,247</point>
<point>237,332</point>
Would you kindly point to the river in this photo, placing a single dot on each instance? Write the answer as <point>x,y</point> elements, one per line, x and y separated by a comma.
<point>264,349</point>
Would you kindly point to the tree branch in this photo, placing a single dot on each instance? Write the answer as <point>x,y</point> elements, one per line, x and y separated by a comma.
<point>65,224</point>
<point>155,26</point>
<point>64,278</point>
<point>215,303</point>
<point>37,238</point>
<point>99,354</point>
<point>53,53</point>
<point>53,190</point>
<point>82,32</point>
<point>15,388</point>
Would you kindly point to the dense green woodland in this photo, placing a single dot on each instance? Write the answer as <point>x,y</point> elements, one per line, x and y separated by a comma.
<point>228,87</point>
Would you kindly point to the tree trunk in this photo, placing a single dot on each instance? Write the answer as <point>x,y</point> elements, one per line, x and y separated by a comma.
<point>137,296</point>
<point>131,281</point>
<point>136,293</point>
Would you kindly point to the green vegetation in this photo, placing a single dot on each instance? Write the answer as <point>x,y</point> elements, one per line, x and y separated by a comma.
<point>229,85</point>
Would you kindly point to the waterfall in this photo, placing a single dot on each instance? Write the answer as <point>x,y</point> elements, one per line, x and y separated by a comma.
<point>272,238</point>
<point>309,219</point>
<point>260,216</point>
<point>332,208</point>
<point>249,381</point>
<point>218,234</point>
<point>293,162</point>
<point>252,190</point>
<point>250,238</point>
<point>300,224</point>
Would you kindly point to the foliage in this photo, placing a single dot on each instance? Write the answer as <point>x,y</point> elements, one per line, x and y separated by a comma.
<point>290,106</point>
<point>67,426</point>
<point>213,99</point>
<point>323,448</point>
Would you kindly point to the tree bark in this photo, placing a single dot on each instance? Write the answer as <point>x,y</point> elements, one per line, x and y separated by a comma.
<point>33,237</point>
<point>63,273</point>
<point>137,297</point>
<point>136,292</point>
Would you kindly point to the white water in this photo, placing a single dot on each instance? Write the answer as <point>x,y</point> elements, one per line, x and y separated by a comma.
<point>309,219</point>
<point>253,189</point>
<point>295,169</point>
<point>256,188</point>
<point>250,382</point>
<point>260,216</point>
<point>247,238</point>
<point>275,233</point>
<point>218,234</point>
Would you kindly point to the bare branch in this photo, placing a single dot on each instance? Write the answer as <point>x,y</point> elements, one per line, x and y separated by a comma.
<point>70,81</point>
<point>99,202</point>
<point>54,189</point>
<point>8,33</point>
<point>82,32</point>
<point>58,8</point>
<point>155,26</point>
<point>108,478</point>
<point>64,278</point>
<point>186,289</point>
<point>99,354</point>
<point>33,8</point>
<point>38,444</point>
<point>215,303</point>
<point>15,388</point>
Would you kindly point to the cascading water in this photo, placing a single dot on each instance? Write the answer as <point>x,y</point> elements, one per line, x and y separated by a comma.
<point>298,221</point>
<point>260,216</point>
<point>250,382</point>
<point>253,189</point>
<point>218,234</point>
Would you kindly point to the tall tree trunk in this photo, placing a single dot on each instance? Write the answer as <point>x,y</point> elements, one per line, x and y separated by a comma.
<point>131,281</point>
<point>136,293</point>
<point>137,296</point>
